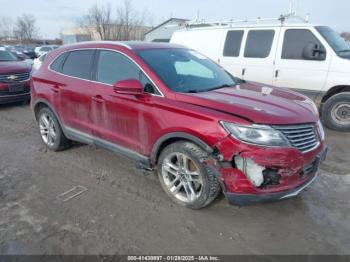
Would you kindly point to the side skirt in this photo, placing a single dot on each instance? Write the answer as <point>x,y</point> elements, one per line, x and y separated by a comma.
<point>142,162</point>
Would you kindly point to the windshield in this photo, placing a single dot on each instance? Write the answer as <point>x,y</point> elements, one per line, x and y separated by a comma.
<point>334,39</point>
<point>186,71</point>
<point>7,56</point>
<point>46,48</point>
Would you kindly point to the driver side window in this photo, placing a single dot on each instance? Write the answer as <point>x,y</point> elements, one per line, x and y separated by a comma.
<point>295,40</point>
<point>113,67</point>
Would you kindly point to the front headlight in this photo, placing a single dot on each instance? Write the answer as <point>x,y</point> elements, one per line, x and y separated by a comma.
<point>256,134</point>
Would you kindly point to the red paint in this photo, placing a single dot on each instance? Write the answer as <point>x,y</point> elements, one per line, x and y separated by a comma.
<point>138,121</point>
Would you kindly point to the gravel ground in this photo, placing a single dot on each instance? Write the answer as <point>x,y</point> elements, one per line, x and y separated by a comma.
<point>125,213</point>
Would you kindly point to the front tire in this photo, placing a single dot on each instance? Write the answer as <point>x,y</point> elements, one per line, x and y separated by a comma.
<point>50,130</point>
<point>184,176</point>
<point>336,112</point>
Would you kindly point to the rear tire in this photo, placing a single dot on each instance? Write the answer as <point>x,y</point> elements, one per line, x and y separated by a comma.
<point>50,131</point>
<point>336,112</point>
<point>184,177</point>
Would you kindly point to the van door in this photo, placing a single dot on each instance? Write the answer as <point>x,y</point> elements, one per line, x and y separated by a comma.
<point>259,54</point>
<point>230,57</point>
<point>293,69</point>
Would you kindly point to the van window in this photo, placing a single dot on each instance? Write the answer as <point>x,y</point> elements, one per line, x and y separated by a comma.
<point>113,67</point>
<point>78,64</point>
<point>295,41</point>
<point>259,43</point>
<point>233,43</point>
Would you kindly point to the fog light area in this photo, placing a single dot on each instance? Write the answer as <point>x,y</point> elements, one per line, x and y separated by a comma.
<point>253,171</point>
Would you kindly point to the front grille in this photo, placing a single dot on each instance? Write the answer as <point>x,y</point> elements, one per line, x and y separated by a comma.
<point>302,137</point>
<point>14,78</point>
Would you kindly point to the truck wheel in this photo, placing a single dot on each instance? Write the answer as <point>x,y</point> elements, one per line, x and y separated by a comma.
<point>184,177</point>
<point>336,112</point>
<point>51,131</point>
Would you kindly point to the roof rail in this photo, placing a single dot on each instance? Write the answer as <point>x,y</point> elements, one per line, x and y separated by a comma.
<point>229,23</point>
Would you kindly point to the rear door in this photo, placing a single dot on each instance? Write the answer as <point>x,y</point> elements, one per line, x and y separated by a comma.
<point>73,90</point>
<point>292,70</point>
<point>259,54</point>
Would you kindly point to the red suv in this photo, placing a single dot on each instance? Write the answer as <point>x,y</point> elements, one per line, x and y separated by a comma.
<point>178,113</point>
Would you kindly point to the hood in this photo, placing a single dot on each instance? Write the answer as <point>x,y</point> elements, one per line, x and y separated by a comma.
<point>14,67</point>
<point>260,104</point>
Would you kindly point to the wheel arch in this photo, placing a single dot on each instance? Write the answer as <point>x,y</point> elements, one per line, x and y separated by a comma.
<point>335,90</point>
<point>41,103</point>
<point>173,137</point>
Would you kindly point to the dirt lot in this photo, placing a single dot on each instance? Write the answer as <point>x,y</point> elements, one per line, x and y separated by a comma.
<point>123,212</point>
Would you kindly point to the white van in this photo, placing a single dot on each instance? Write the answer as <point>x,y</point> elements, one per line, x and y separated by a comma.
<point>311,59</point>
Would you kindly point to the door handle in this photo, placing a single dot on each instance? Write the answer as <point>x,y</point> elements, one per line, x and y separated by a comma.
<point>277,72</point>
<point>243,71</point>
<point>97,99</point>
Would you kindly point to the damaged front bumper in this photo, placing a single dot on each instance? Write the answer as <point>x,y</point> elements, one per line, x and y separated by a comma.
<point>251,199</point>
<point>295,171</point>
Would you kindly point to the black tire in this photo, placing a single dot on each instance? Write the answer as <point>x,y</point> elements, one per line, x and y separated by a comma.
<point>60,141</point>
<point>210,187</point>
<point>330,118</point>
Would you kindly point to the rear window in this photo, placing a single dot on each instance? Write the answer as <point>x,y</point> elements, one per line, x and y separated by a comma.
<point>57,63</point>
<point>259,43</point>
<point>78,64</point>
<point>233,43</point>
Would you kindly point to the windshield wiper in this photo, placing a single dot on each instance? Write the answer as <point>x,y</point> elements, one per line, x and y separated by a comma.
<point>219,87</point>
<point>343,51</point>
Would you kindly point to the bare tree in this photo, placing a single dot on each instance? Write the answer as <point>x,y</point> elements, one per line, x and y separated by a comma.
<point>98,20</point>
<point>6,27</point>
<point>129,21</point>
<point>25,28</point>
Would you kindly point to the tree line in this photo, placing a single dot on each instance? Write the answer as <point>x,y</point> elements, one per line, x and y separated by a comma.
<point>22,28</point>
<point>108,24</point>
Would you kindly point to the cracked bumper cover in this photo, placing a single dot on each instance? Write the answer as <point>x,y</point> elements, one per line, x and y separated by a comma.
<point>291,163</point>
<point>251,199</point>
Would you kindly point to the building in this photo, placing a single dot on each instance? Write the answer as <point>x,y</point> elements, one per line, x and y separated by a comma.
<point>74,34</point>
<point>115,32</point>
<point>164,31</point>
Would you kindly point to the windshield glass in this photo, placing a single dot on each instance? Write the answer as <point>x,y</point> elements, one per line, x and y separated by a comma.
<point>7,56</point>
<point>334,39</point>
<point>46,48</point>
<point>184,70</point>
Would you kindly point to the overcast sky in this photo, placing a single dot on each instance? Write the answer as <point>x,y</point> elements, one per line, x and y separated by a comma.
<point>53,15</point>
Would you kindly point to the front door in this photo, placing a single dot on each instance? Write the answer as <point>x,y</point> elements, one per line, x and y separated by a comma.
<point>293,70</point>
<point>120,119</point>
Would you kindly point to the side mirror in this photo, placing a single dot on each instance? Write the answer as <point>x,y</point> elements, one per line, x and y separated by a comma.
<point>128,87</point>
<point>313,51</point>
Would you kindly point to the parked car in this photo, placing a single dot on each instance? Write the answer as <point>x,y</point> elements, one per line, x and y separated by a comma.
<point>14,78</point>
<point>26,50</point>
<point>177,112</point>
<point>38,61</point>
<point>311,59</point>
<point>41,50</point>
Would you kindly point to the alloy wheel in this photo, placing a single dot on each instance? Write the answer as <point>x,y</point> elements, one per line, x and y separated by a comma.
<point>47,129</point>
<point>182,177</point>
